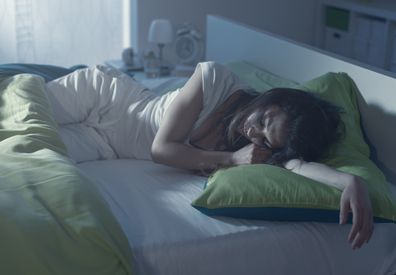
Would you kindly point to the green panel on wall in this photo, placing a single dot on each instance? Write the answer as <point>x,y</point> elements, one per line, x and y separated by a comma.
<point>337,18</point>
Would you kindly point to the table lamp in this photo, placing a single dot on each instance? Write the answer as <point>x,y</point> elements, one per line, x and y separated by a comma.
<point>161,33</point>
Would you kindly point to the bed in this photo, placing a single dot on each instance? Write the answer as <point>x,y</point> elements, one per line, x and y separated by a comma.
<point>144,222</point>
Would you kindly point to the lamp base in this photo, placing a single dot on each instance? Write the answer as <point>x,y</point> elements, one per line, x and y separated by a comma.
<point>165,70</point>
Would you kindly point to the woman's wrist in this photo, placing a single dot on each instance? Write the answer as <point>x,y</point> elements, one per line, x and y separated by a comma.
<point>353,180</point>
<point>214,160</point>
<point>230,159</point>
<point>233,159</point>
<point>236,158</point>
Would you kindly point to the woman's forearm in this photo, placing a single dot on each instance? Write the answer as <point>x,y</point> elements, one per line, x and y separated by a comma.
<point>184,156</point>
<point>320,172</point>
<point>187,157</point>
<point>354,198</point>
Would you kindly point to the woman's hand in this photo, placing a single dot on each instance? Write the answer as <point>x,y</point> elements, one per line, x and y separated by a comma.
<point>250,154</point>
<point>355,199</point>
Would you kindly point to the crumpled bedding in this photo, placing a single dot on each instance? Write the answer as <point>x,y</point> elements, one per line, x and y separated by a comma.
<point>47,72</point>
<point>52,218</point>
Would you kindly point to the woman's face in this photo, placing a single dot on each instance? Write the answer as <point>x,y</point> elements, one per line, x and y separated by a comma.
<point>266,127</point>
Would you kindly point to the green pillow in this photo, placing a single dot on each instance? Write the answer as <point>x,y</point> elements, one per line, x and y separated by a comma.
<point>272,193</point>
<point>257,78</point>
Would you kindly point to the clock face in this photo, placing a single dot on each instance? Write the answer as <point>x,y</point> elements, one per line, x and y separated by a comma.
<point>187,49</point>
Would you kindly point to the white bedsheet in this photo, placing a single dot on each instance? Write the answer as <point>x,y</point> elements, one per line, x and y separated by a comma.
<point>169,236</point>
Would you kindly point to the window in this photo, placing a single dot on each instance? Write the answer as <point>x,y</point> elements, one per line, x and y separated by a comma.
<point>60,32</point>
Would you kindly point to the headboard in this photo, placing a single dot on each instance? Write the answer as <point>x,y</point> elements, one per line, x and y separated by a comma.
<point>229,41</point>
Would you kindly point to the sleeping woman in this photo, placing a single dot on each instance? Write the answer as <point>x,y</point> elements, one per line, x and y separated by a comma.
<point>213,121</point>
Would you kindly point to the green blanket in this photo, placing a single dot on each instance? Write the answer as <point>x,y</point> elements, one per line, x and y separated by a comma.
<point>52,219</point>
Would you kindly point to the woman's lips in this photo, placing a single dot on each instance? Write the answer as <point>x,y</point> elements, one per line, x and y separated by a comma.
<point>246,129</point>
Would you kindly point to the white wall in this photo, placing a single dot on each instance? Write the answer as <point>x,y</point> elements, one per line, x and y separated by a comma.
<point>290,18</point>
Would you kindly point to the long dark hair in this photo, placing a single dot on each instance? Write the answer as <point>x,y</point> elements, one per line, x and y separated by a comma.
<point>313,124</point>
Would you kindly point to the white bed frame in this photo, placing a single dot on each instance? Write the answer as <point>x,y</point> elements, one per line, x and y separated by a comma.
<point>229,41</point>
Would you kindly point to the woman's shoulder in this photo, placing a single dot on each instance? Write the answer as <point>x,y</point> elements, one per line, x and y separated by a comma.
<point>212,65</point>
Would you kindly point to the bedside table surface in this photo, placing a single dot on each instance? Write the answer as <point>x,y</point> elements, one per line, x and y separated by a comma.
<point>120,65</point>
<point>138,73</point>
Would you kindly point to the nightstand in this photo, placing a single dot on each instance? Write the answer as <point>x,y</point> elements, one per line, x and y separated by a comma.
<point>155,84</point>
<point>137,72</point>
<point>120,65</point>
<point>142,77</point>
<point>183,70</point>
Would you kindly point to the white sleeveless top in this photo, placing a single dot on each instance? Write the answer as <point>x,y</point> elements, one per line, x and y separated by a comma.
<point>105,114</point>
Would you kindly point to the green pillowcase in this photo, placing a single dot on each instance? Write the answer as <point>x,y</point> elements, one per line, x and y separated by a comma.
<point>257,78</point>
<point>272,193</point>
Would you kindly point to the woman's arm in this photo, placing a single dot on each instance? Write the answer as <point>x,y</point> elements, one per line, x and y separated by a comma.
<point>354,197</point>
<point>169,144</point>
<point>169,147</point>
<point>319,172</point>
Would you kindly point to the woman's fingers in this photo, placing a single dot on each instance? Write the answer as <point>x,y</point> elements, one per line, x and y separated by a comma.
<point>344,211</point>
<point>260,154</point>
<point>356,234</point>
<point>357,223</point>
<point>365,232</point>
<point>371,232</point>
<point>355,198</point>
<point>250,154</point>
<point>362,227</point>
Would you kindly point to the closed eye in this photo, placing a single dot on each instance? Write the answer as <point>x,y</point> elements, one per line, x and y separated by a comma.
<point>266,146</point>
<point>262,122</point>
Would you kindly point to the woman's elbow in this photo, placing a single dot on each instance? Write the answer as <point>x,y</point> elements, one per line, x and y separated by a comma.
<point>156,152</point>
<point>293,164</point>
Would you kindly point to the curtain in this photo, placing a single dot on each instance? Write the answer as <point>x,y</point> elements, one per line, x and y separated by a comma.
<point>60,32</point>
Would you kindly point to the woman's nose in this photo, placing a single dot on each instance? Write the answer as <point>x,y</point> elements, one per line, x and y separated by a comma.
<point>249,132</point>
<point>252,132</point>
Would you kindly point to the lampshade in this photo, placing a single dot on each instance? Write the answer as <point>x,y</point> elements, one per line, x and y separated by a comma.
<point>160,32</point>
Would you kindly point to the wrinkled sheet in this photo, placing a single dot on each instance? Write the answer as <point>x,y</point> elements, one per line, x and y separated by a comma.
<point>169,236</point>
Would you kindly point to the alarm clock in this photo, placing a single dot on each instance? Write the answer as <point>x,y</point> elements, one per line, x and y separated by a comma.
<point>188,48</point>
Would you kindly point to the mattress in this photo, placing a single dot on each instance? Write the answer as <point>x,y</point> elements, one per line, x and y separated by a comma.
<point>168,236</point>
